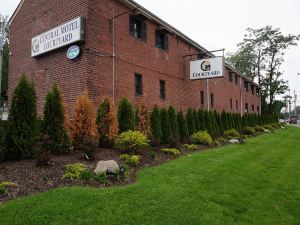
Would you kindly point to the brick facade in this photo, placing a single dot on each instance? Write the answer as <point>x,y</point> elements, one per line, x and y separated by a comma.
<point>94,69</point>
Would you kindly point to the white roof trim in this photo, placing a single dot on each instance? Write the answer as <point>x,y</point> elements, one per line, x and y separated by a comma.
<point>15,12</point>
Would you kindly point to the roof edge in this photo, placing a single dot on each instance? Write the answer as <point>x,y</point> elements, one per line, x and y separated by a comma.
<point>15,12</point>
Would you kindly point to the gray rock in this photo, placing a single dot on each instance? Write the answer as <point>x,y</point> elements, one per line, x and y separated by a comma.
<point>110,167</point>
<point>234,141</point>
<point>267,131</point>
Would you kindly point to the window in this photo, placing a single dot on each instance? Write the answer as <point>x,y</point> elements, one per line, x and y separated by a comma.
<point>230,77</point>
<point>237,105</point>
<point>257,91</point>
<point>252,108</point>
<point>161,40</point>
<point>258,111</point>
<point>162,89</point>
<point>246,85</point>
<point>138,27</point>
<point>231,104</point>
<point>138,84</point>
<point>202,98</point>
<point>212,100</point>
<point>246,108</point>
<point>252,89</point>
<point>236,79</point>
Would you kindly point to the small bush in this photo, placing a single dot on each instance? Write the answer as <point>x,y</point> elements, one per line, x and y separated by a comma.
<point>222,140</point>
<point>202,137</point>
<point>126,116</point>
<point>191,147</point>
<point>2,143</point>
<point>216,143</point>
<point>4,187</point>
<point>131,142</point>
<point>268,127</point>
<point>232,134</point>
<point>88,146</point>
<point>171,151</point>
<point>43,151</point>
<point>101,178</point>
<point>131,160</point>
<point>248,131</point>
<point>74,171</point>
<point>259,129</point>
<point>87,175</point>
<point>123,173</point>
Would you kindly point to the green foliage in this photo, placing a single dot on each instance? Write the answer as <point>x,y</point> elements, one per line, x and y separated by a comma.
<point>2,141</point>
<point>74,171</point>
<point>4,187</point>
<point>87,175</point>
<point>191,147</point>
<point>182,126</point>
<point>156,126</point>
<point>23,127</point>
<point>126,116</point>
<point>88,146</point>
<point>248,131</point>
<point>201,120</point>
<point>167,136</point>
<point>131,142</point>
<point>222,140</point>
<point>101,178</point>
<point>54,120</point>
<point>268,127</point>
<point>190,120</point>
<point>197,124</point>
<point>232,134</point>
<point>259,128</point>
<point>171,151</point>
<point>208,124</point>
<point>202,137</point>
<point>215,127</point>
<point>131,160</point>
<point>174,123</point>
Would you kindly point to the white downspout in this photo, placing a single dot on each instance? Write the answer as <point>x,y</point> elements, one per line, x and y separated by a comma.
<point>113,52</point>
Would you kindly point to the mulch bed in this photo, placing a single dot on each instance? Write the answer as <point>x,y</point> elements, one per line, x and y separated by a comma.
<point>31,179</point>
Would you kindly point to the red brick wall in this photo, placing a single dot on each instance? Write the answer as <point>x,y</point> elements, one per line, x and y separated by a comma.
<point>94,69</point>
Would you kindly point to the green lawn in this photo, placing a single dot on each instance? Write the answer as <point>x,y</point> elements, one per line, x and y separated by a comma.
<point>258,183</point>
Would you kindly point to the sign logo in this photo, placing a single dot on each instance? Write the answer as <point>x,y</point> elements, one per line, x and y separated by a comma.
<point>35,46</point>
<point>73,52</point>
<point>207,68</point>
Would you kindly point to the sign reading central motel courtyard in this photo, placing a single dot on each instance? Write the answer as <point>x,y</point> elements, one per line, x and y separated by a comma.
<point>60,36</point>
<point>207,68</point>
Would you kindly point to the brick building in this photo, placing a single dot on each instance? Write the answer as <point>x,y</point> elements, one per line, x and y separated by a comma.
<point>126,52</point>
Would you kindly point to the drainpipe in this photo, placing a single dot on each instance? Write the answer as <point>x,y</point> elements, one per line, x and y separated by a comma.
<point>207,91</point>
<point>113,52</point>
<point>241,95</point>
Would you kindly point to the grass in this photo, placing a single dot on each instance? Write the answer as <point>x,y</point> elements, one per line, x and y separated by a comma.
<point>257,183</point>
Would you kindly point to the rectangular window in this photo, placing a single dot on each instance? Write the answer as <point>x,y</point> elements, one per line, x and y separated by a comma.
<point>257,91</point>
<point>252,89</point>
<point>161,40</point>
<point>237,105</point>
<point>246,85</point>
<point>246,108</point>
<point>138,27</point>
<point>202,98</point>
<point>258,111</point>
<point>162,89</point>
<point>252,108</point>
<point>236,79</point>
<point>138,84</point>
<point>212,100</point>
<point>231,104</point>
<point>230,77</point>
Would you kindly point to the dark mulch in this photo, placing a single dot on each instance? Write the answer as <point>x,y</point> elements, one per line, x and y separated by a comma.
<point>31,179</point>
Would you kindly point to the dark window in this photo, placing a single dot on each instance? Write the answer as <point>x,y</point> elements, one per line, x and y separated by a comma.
<point>252,108</point>
<point>236,79</point>
<point>246,85</point>
<point>138,27</point>
<point>162,89</point>
<point>257,91</point>
<point>212,100</point>
<point>252,89</point>
<point>237,105</point>
<point>246,108</point>
<point>230,77</point>
<point>258,109</point>
<point>138,84</point>
<point>161,40</point>
<point>231,104</point>
<point>202,98</point>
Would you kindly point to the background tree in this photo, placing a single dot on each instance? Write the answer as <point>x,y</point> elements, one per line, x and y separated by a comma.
<point>23,126</point>
<point>54,120</point>
<point>5,43</point>
<point>107,123</point>
<point>262,51</point>
<point>126,116</point>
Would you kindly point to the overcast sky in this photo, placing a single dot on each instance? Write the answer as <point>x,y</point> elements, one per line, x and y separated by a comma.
<point>216,24</point>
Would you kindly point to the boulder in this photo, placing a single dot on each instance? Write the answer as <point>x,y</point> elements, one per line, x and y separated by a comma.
<point>108,167</point>
<point>234,141</point>
<point>267,131</point>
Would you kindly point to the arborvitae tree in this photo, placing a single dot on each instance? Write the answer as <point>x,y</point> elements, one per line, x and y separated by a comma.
<point>143,120</point>
<point>107,123</point>
<point>126,116</point>
<point>219,123</point>
<point>190,121</point>
<point>208,124</point>
<point>54,122</point>
<point>201,120</point>
<point>23,126</point>
<point>215,128</point>
<point>231,122</point>
<point>156,126</point>
<point>183,128</point>
<point>224,120</point>
<point>174,123</point>
<point>167,136</point>
<point>197,125</point>
<point>84,120</point>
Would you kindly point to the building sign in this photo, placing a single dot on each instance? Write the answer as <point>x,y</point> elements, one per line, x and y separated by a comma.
<point>207,68</point>
<point>65,34</point>
<point>73,52</point>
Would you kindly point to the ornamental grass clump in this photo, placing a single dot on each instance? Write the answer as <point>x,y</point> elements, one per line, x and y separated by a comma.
<point>131,142</point>
<point>202,137</point>
<point>171,151</point>
<point>74,171</point>
<point>232,134</point>
<point>248,131</point>
<point>4,186</point>
<point>191,147</point>
<point>131,160</point>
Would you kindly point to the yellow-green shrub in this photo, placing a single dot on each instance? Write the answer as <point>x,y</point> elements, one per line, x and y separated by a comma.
<point>191,147</point>
<point>131,160</point>
<point>248,131</point>
<point>132,141</point>
<point>232,134</point>
<point>171,151</point>
<point>74,171</point>
<point>202,137</point>
<point>5,185</point>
